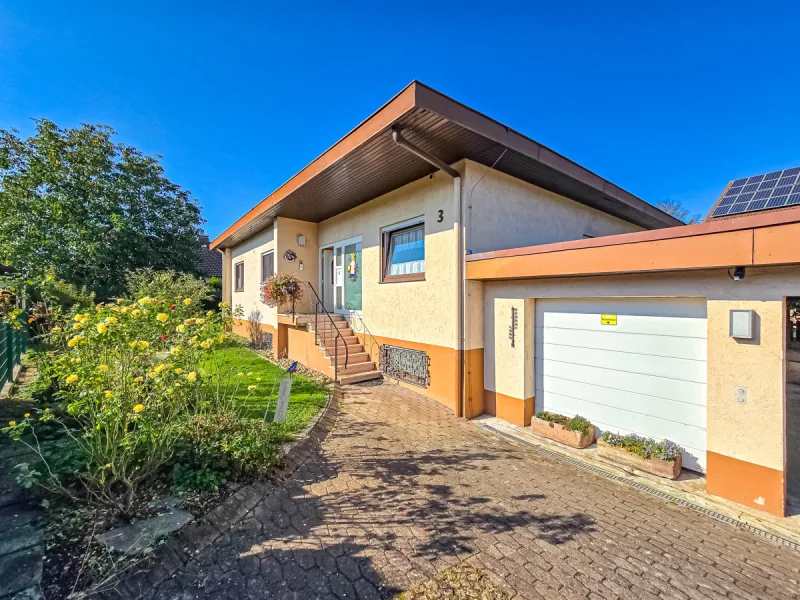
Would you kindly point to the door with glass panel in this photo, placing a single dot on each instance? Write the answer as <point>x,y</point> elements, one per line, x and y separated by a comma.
<point>347,276</point>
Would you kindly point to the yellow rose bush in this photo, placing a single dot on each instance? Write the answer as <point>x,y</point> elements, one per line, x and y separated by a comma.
<point>131,384</point>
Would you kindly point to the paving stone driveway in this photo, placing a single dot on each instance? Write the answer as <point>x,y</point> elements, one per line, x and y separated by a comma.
<point>402,489</point>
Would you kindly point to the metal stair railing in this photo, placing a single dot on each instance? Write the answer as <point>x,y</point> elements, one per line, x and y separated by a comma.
<point>320,313</point>
<point>359,326</point>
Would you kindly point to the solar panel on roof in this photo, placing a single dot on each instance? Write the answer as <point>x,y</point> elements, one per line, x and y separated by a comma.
<point>761,192</point>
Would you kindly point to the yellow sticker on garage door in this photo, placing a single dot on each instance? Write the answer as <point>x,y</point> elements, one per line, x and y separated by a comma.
<point>608,319</point>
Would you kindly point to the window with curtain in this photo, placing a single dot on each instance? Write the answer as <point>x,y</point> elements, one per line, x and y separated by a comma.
<point>238,276</point>
<point>267,265</point>
<point>404,254</point>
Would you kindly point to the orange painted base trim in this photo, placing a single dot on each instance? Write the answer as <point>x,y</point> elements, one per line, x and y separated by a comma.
<point>474,401</point>
<point>241,327</point>
<point>746,483</point>
<point>514,410</point>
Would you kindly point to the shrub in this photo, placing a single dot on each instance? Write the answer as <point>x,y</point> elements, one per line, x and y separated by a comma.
<point>130,378</point>
<point>167,284</point>
<point>643,446</point>
<point>281,289</point>
<point>576,423</point>
<point>186,478</point>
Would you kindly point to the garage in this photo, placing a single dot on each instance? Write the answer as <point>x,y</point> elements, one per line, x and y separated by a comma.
<point>629,365</point>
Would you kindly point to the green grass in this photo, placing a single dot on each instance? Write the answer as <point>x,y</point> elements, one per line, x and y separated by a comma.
<point>305,401</point>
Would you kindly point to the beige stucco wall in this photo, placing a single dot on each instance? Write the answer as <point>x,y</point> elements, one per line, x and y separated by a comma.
<point>505,212</point>
<point>512,365</point>
<point>753,432</point>
<point>250,252</point>
<point>286,232</point>
<point>419,311</point>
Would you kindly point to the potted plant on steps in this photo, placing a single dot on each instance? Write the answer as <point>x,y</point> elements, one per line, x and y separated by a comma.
<point>662,458</point>
<point>575,432</point>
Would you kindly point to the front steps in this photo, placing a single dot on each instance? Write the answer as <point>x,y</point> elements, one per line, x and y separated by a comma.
<point>360,366</point>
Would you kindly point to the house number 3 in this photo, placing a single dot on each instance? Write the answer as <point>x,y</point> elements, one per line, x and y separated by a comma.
<point>441,216</point>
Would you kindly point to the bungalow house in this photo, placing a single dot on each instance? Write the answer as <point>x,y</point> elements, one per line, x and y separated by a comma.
<point>451,253</point>
<point>378,228</point>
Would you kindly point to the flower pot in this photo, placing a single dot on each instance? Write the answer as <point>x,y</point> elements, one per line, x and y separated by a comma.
<point>669,469</point>
<point>558,433</point>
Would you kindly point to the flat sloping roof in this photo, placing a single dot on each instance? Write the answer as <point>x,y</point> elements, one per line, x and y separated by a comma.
<point>764,239</point>
<point>366,163</point>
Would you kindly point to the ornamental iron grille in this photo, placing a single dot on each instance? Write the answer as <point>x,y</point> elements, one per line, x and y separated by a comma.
<point>406,365</point>
<point>266,340</point>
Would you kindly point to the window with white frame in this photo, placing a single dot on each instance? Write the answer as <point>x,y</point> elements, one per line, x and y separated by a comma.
<point>403,251</point>
<point>238,277</point>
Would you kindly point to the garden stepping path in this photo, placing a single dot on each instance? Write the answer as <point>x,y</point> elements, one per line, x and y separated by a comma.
<point>21,543</point>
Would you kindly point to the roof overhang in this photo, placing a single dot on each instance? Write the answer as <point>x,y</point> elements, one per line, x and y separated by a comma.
<point>751,241</point>
<point>366,163</point>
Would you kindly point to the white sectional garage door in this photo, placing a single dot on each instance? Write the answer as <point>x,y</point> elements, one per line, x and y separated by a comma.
<point>644,375</point>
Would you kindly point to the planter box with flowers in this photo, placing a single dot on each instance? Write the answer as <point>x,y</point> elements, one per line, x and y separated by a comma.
<point>662,458</point>
<point>574,432</point>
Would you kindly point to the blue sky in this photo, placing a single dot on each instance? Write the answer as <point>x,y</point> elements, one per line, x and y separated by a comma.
<point>668,100</point>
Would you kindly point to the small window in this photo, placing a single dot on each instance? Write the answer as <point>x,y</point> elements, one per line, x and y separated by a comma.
<point>267,265</point>
<point>404,253</point>
<point>238,276</point>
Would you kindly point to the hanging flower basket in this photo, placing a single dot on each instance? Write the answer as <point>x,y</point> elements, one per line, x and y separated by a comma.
<point>281,290</point>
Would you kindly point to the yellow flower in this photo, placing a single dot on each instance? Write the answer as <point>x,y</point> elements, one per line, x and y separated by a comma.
<point>175,351</point>
<point>160,368</point>
<point>77,326</point>
<point>210,313</point>
<point>26,415</point>
<point>73,341</point>
<point>101,328</point>
<point>107,393</point>
<point>249,373</point>
<point>180,328</point>
<point>132,344</point>
<point>163,317</point>
<point>49,278</point>
<point>143,344</point>
<point>108,466</point>
<point>125,310</point>
<point>99,307</point>
<point>136,313</point>
<point>200,321</point>
<point>151,374</point>
<point>224,305</point>
<point>12,423</point>
<point>222,337</point>
<point>188,321</point>
<point>240,374</point>
<point>251,388</point>
<point>193,340</point>
<point>187,301</point>
<point>258,378</point>
<point>111,320</point>
<point>138,408</point>
<point>56,329</point>
<point>77,318</point>
<point>177,385</point>
<point>102,368</point>
<point>72,379</point>
<point>179,370</point>
<point>144,301</point>
<point>205,345</point>
<point>138,379</point>
<point>75,360</point>
<point>192,376</point>
<point>170,390</point>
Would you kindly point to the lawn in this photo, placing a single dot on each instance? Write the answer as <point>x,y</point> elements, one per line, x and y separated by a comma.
<point>305,401</point>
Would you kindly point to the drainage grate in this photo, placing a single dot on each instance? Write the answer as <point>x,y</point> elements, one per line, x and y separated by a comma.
<point>647,489</point>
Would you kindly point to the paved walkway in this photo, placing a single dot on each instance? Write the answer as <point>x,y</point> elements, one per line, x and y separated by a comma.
<point>21,546</point>
<point>402,489</point>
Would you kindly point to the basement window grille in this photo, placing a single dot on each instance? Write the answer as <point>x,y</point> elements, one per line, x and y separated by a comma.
<point>406,365</point>
<point>266,340</point>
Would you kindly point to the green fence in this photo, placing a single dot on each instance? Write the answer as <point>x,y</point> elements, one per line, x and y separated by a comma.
<point>12,344</point>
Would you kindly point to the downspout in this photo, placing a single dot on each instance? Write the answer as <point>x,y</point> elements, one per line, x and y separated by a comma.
<point>458,210</point>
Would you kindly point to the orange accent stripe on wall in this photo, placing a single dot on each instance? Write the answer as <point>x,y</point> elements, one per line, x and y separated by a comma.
<point>746,483</point>
<point>514,410</point>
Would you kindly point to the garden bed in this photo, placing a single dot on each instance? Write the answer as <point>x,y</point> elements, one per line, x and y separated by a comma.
<point>574,432</point>
<point>662,459</point>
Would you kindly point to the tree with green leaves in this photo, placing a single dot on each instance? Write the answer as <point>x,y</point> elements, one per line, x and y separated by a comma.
<point>679,211</point>
<point>90,208</point>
